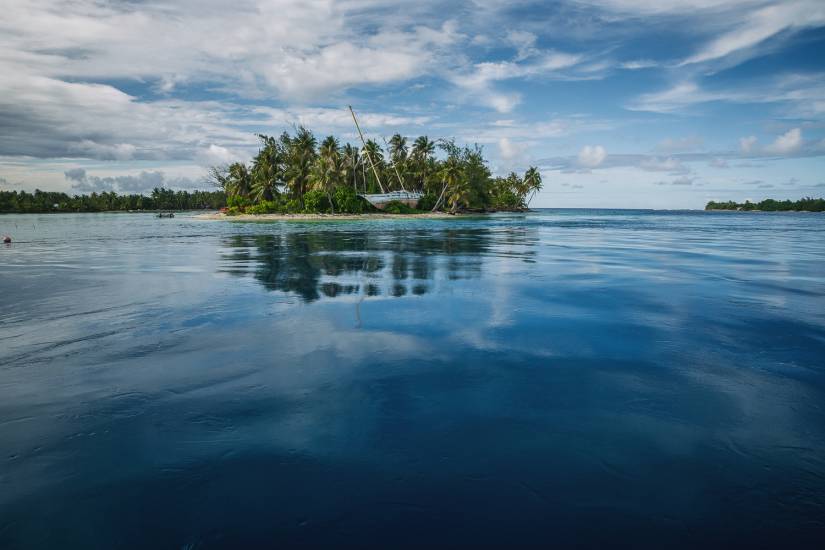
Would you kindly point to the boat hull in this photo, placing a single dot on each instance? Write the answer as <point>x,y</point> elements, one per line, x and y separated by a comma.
<point>381,201</point>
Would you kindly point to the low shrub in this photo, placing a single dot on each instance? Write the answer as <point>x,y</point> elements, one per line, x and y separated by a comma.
<point>426,202</point>
<point>398,207</point>
<point>315,201</point>
<point>347,201</point>
<point>265,207</point>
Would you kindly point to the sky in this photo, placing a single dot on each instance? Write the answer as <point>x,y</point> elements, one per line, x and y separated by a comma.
<point>620,103</point>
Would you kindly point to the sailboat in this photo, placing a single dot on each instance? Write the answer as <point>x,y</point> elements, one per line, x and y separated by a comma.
<point>381,200</point>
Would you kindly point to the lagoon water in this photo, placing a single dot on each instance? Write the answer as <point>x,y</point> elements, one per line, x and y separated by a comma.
<point>564,377</point>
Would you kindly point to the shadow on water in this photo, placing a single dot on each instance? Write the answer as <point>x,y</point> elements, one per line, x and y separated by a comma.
<point>340,263</point>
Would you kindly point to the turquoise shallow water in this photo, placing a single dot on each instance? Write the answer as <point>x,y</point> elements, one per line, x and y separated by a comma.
<point>568,377</point>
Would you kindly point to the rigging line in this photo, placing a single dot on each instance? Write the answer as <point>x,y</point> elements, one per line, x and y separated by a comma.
<point>365,148</point>
<point>394,167</point>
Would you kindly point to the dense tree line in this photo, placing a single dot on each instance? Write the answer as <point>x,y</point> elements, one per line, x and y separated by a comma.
<point>806,204</point>
<point>296,173</point>
<point>159,199</point>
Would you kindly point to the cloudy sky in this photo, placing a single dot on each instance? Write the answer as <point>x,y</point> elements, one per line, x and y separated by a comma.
<point>625,103</point>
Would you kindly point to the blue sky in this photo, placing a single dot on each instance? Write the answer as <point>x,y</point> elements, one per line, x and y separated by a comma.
<point>621,103</point>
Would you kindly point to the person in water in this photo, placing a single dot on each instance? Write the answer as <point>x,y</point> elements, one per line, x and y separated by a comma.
<point>6,239</point>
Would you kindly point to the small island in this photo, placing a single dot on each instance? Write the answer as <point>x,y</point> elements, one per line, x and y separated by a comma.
<point>294,174</point>
<point>806,204</point>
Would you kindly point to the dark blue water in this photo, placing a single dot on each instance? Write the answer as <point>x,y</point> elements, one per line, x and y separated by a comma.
<point>567,378</point>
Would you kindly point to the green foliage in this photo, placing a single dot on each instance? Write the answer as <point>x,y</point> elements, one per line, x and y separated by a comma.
<point>265,207</point>
<point>806,204</point>
<point>316,201</point>
<point>160,199</point>
<point>397,207</point>
<point>347,201</point>
<point>426,202</point>
<point>292,206</point>
<point>327,177</point>
<point>237,202</point>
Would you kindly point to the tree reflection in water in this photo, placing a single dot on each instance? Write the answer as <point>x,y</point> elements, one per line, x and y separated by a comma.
<point>312,264</point>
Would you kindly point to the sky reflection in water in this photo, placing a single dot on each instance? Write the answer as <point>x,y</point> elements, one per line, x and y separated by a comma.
<point>563,377</point>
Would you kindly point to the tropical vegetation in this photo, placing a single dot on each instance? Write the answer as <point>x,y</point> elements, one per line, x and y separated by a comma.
<point>159,199</point>
<point>806,204</point>
<point>297,173</point>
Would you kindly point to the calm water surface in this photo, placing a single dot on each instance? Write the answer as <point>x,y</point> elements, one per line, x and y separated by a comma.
<point>582,378</point>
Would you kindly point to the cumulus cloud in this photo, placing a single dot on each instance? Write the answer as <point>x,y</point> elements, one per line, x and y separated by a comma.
<point>64,55</point>
<point>785,144</point>
<point>215,155</point>
<point>789,142</point>
<point>592,156</point>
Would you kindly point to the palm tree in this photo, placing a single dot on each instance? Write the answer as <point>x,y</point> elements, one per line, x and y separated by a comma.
<point>532,183</point>
<point>398,148</point>
<point>238,180</point>
<point>422,155</point>
<point>423,147</point>
<point>398,153</point>
<point>327,171</point>
<point>350,160</point>
<point>300,158</point>
<point>451,177</point>
<point>267,170</point>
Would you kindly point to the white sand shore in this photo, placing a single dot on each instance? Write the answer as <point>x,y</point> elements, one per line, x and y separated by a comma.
<point>318,217</point>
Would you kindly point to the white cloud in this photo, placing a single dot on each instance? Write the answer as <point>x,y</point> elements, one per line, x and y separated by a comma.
<point>478,81</point>
<point>592,156</point>
<point>510,150</point>
<point>785,144</point>
<point>216,155</point>
<point>667,101</point>
<point>789,142</point>
<point>639,64</point>
<point>138,183</point>
<point>103,151</point>
<point>764,23</point>
<point>746,144</point>
<point>669,164</point>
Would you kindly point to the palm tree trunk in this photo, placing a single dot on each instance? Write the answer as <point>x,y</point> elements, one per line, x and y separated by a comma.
<point>441,196</point>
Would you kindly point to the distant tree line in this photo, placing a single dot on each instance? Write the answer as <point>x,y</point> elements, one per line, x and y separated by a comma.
<point>159,199</point>
<point>294,173</point>
<point>806,204</point>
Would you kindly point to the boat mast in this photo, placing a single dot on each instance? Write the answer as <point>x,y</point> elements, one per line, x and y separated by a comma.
<point>394,167</point>
<point>374,171</point>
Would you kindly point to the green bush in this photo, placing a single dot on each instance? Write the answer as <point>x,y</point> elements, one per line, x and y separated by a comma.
<point>347,201</point>
<point>235,201</point>
<point>426,202</point>
<point>315,201</point>
<point>264,207</point>
<point>398,207</point>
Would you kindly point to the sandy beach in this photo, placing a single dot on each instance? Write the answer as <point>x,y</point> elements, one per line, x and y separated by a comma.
<point>325,217</point>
